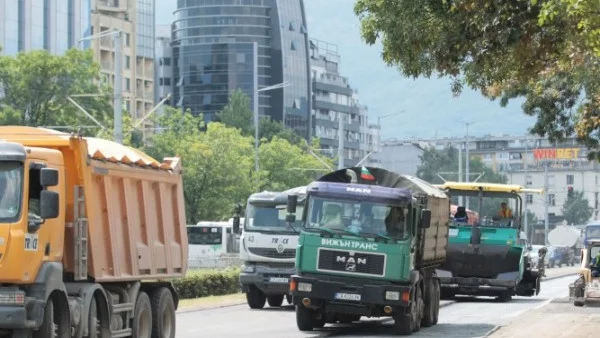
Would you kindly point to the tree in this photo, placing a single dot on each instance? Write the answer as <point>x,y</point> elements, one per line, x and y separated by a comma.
<point>285,165</point>
<point>576,209</point>
<point>237,113</point>
<point>269,128</point>
<point>36,86</point>
<point>217,165</point>
<point>546,51</point>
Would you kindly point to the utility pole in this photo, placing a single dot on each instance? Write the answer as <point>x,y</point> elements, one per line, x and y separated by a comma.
<point>118,90</point>
<point>340,141</point>
<point>546,203</point>
<point>460,198</point>
<point>525,209</point>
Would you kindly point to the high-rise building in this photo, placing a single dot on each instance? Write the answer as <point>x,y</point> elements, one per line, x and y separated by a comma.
<point>135,19</point>
<point>335,99</point>
<point>57,25</point>
<point>221,46</point>
<point>54,25</point>
<point>163,63</point>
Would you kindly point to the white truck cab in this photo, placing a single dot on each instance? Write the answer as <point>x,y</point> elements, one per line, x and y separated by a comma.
<point>268,247</point>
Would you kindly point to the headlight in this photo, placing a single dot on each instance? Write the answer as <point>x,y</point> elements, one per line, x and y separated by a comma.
<point>248,268</point>
<point>304,287</point>
<point>392,295</point>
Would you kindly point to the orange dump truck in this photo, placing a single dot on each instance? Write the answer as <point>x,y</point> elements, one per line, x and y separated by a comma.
<point>91,232</point>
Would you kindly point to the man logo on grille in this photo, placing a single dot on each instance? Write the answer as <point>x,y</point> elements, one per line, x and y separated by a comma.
<point>351,262</point>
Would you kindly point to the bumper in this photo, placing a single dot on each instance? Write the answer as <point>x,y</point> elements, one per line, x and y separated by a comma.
<point>22,317</point>
<point>270,281</point>
<point>476,286</point>
<point>341,296</point>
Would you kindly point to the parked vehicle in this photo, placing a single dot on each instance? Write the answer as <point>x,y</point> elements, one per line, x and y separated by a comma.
<point>91,231</point>
<point>586,289</point>
<point>566,242</point>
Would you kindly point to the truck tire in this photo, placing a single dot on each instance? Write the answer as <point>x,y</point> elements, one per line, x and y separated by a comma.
<point>436,289</point>
<point>305,318</point>
<point>429,303</point>
<point>142,317</point>
<point>255,298</point>
<point>94,329</point>
<point>505,297</point>
<point>578,302</point>
<point>55,324</point>
<point>406,324</point>
<point>163,313</point>
<point>275,301</point>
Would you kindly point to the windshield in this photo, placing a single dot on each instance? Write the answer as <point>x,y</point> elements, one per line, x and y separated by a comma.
<point>592,231</point>
<point>204,235</point>
<point>11,187</point>
<point>269,218</point>
<point>492,211</point>
<point>363,218</point>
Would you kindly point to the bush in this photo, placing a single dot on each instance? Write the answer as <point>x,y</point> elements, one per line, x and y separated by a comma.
<point>208,283</point>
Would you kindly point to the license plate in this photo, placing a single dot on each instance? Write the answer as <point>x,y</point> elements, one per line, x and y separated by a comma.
<point>453,232</point>
<point>347,296</point>
<point>278,280</point>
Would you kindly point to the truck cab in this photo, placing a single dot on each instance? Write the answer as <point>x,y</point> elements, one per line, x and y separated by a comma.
<point>268,247</point>
<point>489,257</point>
<point>369,243</point>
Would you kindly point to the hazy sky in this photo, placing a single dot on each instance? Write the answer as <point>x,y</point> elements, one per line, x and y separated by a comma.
<point>428,105</point>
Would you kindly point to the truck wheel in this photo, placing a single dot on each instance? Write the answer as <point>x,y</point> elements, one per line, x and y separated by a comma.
<point>405,324</point>
<point>429,303</point>
<point>56,322</point>
<point>93,322</point>
<point>578,302</point>
<point>305,318</point>
<point>163,314</point>
<point>255,298</point>
<point>505,297</point>
<point>289,299</point>
<point>142,317</point>
<point>436,290</point>
<point>275,301</point>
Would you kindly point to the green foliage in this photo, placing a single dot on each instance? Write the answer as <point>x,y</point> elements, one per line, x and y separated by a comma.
<point>546,51</point>
<point>209,283</point>
<point>286,165</point>
<point>576,209</point>
<point>36,86</point>
<point>238,113</point>
<point>217,168</point>
<point>268,129</point>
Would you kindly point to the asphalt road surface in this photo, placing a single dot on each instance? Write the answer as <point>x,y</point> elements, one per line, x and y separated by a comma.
<point>467,317</point>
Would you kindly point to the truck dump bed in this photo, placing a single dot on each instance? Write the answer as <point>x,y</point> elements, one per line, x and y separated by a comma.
<point>133,204</point>
<point>436,236</point>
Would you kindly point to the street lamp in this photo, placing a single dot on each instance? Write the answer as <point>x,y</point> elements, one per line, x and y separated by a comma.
<point>277,86</point>
<point>117,86</point>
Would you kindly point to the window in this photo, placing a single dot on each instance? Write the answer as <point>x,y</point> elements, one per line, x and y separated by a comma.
<point>127,39</point>
<point>167,81</point>
<point>552,200</point>
<point>127,84</point>
<point>570,179</point>
<point>166,61</point>
<point>528,180</point>
<point>529,198</point>
<point>35,190</point>
<point>127,62</point>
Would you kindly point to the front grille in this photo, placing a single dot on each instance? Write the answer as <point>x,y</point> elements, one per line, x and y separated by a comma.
<point>272,253</point>
<point>360,263</point>
<point>277,265</point>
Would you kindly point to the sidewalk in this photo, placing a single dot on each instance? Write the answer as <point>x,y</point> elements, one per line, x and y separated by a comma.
<point>561,272</point>
<point>560,318</point>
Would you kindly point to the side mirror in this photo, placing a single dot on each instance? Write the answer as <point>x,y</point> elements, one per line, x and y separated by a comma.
<point>236,224</point>
<point>48,177</point>
<point>49,206</point>
<point>290,218</point>
<point>292,203</point>
<point>425,219</point>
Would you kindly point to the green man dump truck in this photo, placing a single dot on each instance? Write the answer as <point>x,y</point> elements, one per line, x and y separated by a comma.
<point>489,257</point>
<point>369,247</point>
<point>91,233</point>
<point>268,247</point>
